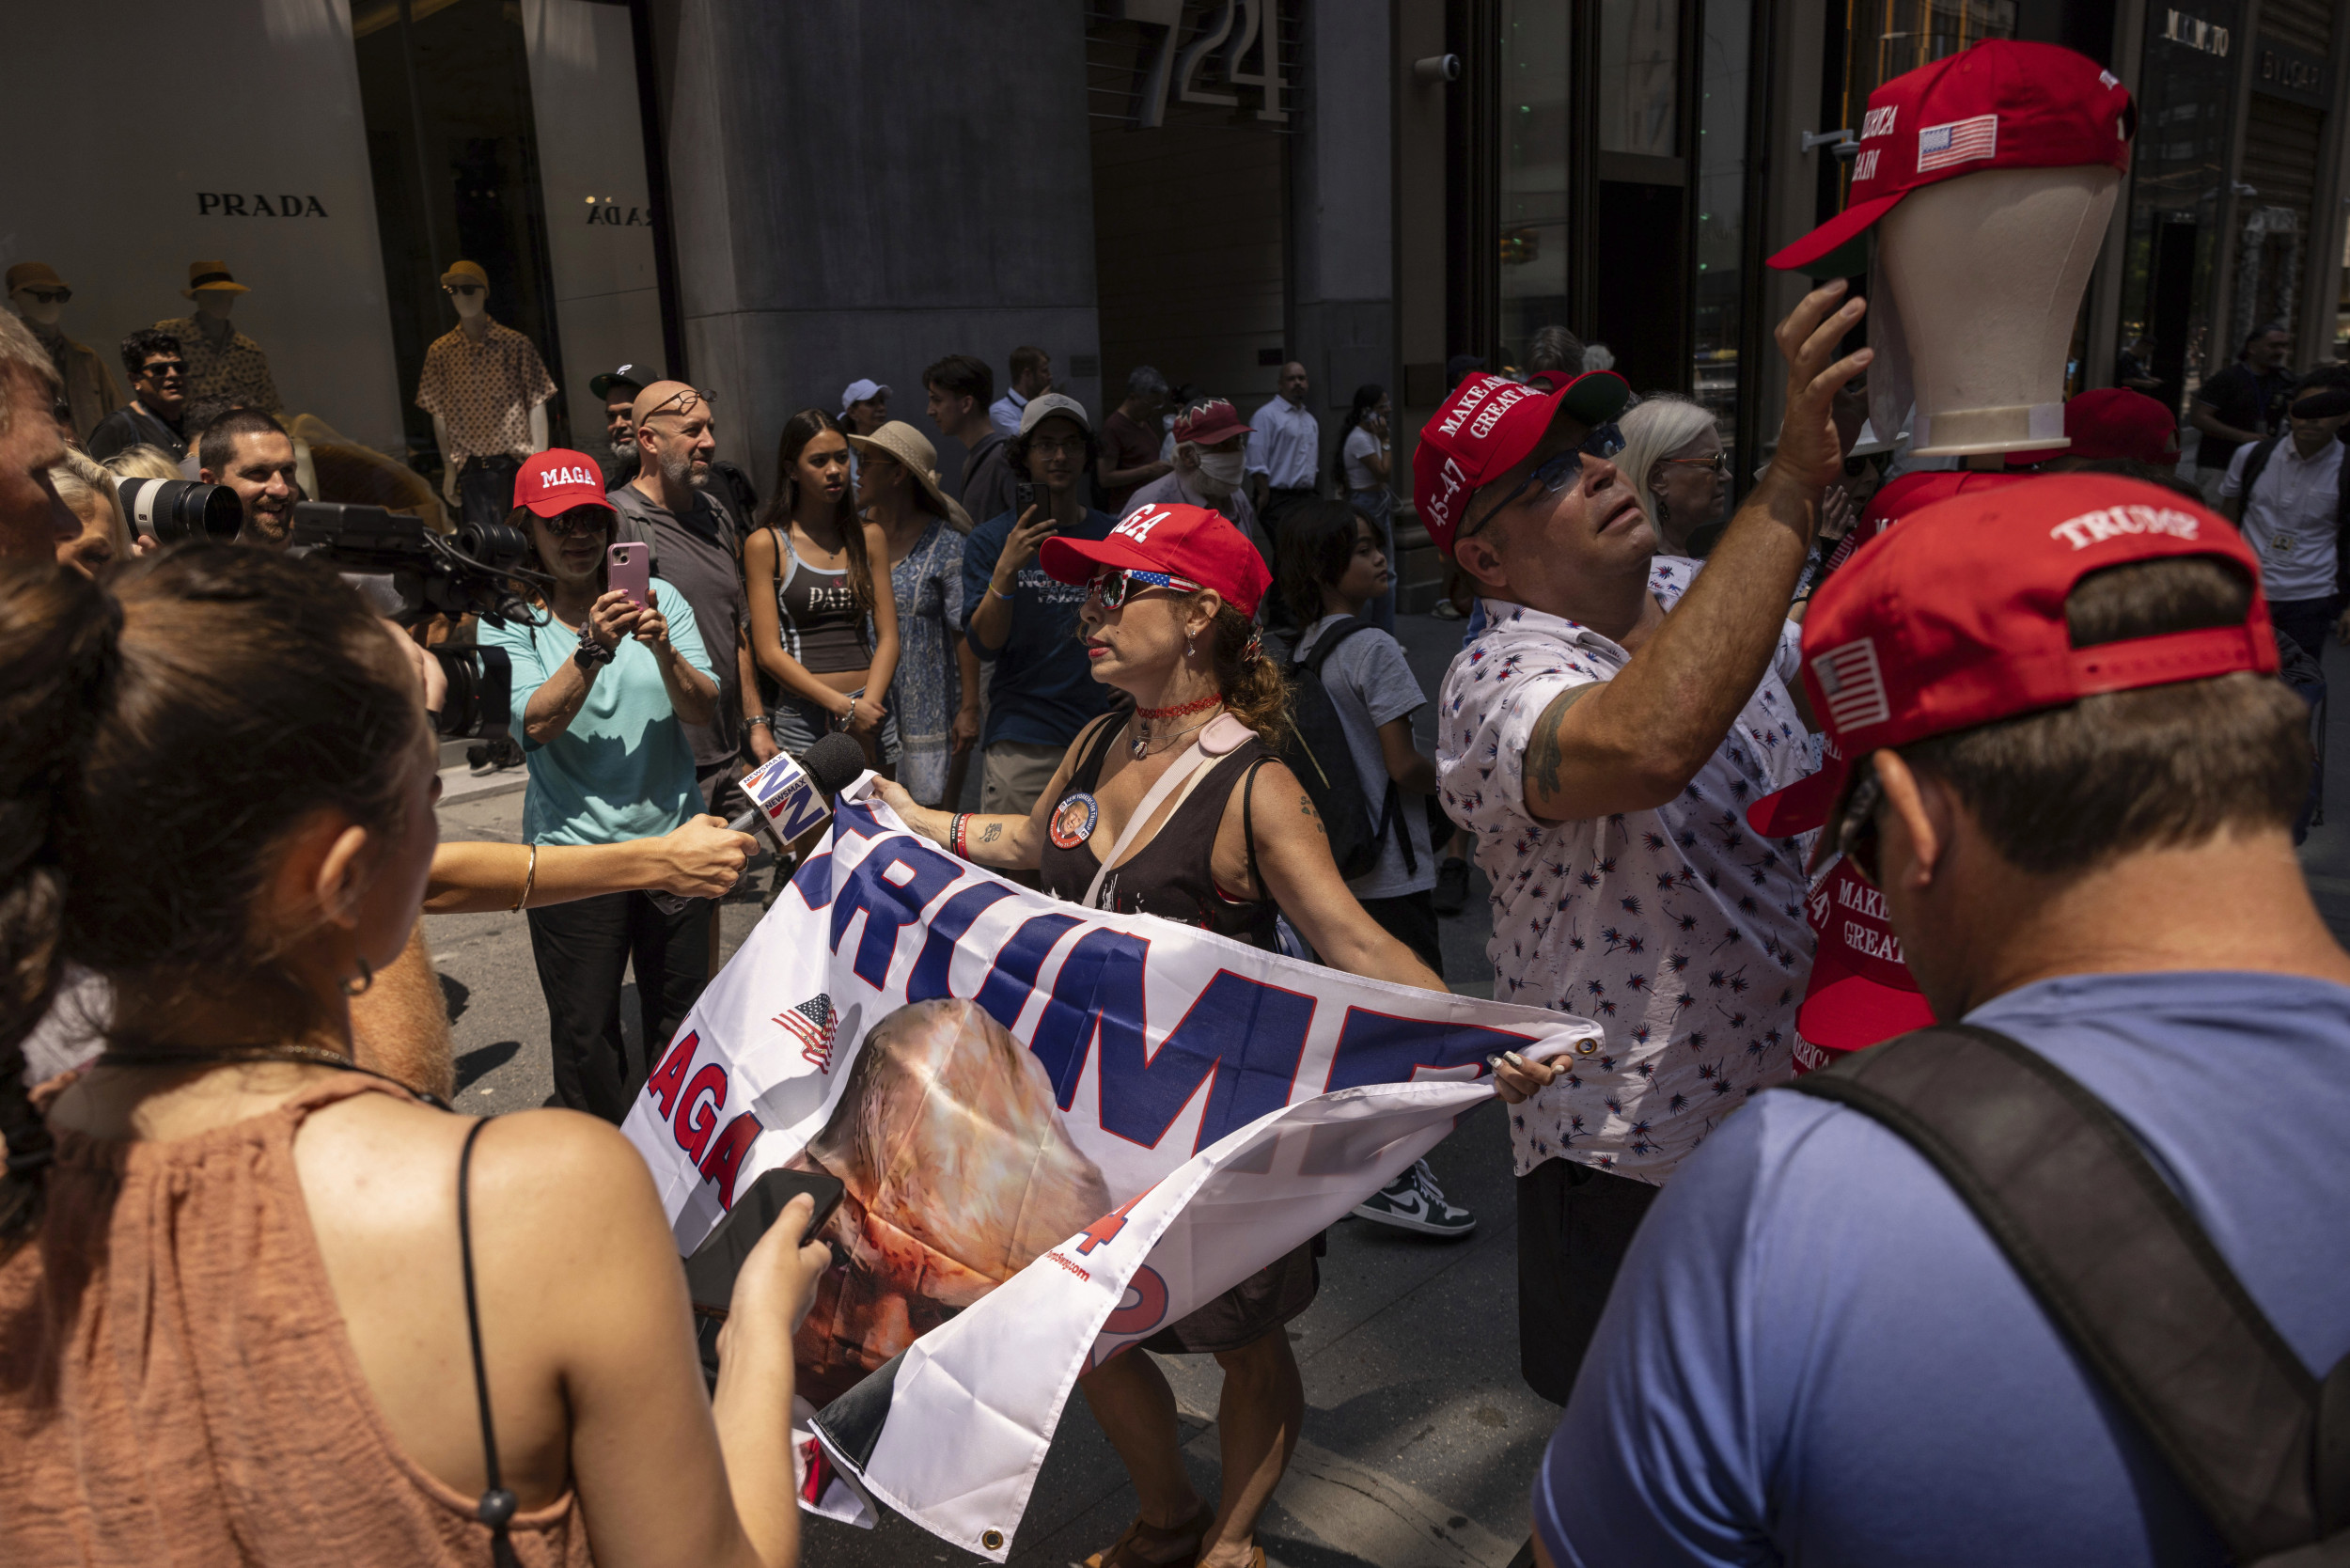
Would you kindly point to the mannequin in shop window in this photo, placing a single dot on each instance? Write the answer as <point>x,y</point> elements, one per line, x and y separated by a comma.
<point>487,391</point>
<point>223,365</point>
<point>38,295</point>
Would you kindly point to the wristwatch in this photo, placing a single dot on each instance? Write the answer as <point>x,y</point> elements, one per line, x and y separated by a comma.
<point>590,653</point>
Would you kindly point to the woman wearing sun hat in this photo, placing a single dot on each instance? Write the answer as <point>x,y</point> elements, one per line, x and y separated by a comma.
<point>1197,823</point>
<point>936,693</point>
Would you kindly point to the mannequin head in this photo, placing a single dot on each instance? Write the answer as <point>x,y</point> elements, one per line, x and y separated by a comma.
<point>468,289</point>
<point>41,304</point>
<point>216,303</point>
<point>1985,273</point>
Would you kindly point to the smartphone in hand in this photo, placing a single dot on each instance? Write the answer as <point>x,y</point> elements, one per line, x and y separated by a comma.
<point>628,565</point>
<point>710,1271</point>
<point>1027,495</point>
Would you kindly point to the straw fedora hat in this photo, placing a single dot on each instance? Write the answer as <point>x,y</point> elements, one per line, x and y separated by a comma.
<point>911,450</point>
<point>210,274</point>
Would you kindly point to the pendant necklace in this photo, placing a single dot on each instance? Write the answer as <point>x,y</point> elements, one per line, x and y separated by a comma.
<point>1146,717</point>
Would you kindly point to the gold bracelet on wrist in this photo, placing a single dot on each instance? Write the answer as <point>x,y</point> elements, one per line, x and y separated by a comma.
<point>530,875</point>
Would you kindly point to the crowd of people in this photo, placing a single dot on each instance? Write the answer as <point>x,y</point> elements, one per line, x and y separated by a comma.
<point>1756,788</point>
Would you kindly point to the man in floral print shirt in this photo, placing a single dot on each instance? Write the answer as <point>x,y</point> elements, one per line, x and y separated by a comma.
<point>1603,754</point>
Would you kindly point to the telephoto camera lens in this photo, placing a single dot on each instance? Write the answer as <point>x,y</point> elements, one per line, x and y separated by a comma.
<point>168,511</point>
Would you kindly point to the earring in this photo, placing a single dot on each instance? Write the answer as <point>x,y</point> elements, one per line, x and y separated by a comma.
<point>358,987</point>
<point>1190,649</point>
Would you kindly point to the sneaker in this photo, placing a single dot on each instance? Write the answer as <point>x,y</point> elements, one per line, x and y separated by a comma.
<point>1445,609</point>
<point>1451,894</point>
<point>1413,1201</point>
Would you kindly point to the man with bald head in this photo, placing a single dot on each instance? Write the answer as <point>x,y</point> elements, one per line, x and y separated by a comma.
<point>697,542</point>
<point>1284,452</point>
<point>32,519</point>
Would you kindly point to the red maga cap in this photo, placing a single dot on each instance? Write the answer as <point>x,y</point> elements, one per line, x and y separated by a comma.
<point>1956,618</point>
<point>1487,427</point>
<point>1860,991</point>
<point>1181,541</point>
<point>2115,422</point>
<point>554,481</point>
<point>2001,104</point>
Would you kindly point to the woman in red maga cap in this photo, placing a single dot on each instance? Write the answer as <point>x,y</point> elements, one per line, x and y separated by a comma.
<point>1179,809</point>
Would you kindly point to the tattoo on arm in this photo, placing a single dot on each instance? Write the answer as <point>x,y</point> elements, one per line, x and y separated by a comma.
<point>1544,755</point>
<point>990,833</point>
<point>1306,809</point>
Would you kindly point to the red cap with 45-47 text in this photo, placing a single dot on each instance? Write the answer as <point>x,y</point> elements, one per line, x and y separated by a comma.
<point>1488,426</point>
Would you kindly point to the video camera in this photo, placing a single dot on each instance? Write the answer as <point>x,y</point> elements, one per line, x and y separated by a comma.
<point>408,572</point>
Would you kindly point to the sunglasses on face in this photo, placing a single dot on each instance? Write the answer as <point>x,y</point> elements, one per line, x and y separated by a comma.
<point>51,296</point>
<point>577,522</point>
<point>163,369</point>
<point>1856,829</point>
<point>1604,442</point>
<point>454,289</point>
<point>1112,586</point>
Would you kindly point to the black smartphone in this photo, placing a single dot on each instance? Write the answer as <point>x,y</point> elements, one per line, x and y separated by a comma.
<point>710,1271</point>
<point>1027,495</point>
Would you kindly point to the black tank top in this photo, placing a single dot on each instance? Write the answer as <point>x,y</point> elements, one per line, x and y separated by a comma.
<point>1171,876</point>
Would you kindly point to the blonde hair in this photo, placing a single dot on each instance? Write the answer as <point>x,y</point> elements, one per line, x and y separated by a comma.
<point>1661,425</point>
<point>143,463</point>
<point>78,480</point>
<point>21,351</point>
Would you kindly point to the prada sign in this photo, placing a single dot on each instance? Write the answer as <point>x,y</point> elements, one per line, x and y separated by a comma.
<point>2295,75</point>
<point>236,204</point>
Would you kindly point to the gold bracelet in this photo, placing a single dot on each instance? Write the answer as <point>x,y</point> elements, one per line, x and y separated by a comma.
<point>530,874</point>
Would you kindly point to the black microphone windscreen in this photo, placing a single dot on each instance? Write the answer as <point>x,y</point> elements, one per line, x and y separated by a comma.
<point>832,764</point>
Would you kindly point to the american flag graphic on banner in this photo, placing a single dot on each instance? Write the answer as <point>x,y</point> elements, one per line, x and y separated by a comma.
<point>1961,141</point>
<point>812,1022</point>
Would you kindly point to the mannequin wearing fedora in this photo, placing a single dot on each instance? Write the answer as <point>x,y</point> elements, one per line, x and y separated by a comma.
<point>937,689</point>
<point>40,295</point>
<point>487,391</point>
<point>224,365</point>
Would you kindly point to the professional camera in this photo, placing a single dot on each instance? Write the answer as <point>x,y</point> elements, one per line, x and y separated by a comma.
<point>408,572</point>
<point>169,511</point>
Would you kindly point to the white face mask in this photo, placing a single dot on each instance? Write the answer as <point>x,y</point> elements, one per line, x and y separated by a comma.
<point>1219,471</point>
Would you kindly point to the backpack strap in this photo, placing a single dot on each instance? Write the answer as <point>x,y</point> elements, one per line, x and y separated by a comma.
<point>2115,1259</point>
<point>2253,465</point>
<point>1312,663</point>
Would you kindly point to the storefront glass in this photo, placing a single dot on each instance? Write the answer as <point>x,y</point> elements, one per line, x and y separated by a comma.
<point>1721,173</point>
<point>2178,176</point>
<point>1534,61</point>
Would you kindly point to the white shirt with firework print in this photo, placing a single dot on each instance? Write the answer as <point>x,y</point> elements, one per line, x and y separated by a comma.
<point>1680,931</point>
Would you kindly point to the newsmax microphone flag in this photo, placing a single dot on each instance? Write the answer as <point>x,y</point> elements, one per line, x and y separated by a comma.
<point>1060,1130</point>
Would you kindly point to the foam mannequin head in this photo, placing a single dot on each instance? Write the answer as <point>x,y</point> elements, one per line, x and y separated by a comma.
<point>215,302</point>
<point>1985,275</point>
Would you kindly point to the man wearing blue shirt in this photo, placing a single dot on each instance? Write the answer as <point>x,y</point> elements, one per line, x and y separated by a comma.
<point>1022,624</point>
<point>2071,775</point>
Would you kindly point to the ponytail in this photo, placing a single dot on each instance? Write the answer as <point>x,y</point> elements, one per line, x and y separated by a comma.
<point>60,637</point>
<point>1249,681</point>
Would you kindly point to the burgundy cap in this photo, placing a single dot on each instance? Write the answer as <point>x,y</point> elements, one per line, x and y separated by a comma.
<point>1957,618</point>
<point>1210,424</point>
<point>2115,422</point>
<point>1181,541</point>
<point>554,481</point>
<point>2001,104</point>
<point>1488,426</point>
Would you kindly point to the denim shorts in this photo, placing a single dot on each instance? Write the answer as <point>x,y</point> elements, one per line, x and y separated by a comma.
<point>798,724</point>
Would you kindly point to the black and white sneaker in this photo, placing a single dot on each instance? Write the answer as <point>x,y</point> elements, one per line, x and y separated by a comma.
<point>1413,1201</point>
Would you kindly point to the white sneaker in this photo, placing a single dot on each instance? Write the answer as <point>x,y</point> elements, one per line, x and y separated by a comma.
<point>1413,1201</point>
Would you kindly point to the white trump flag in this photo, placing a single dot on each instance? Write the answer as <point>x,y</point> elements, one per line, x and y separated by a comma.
<point>1060,1131</point>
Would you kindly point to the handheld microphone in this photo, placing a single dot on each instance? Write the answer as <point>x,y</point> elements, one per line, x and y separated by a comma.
<point>792,797</point>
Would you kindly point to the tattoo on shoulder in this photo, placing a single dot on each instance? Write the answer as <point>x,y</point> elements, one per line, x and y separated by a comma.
<point>992,831</point>
<point>1306,810</point>
<point>1544,755</point>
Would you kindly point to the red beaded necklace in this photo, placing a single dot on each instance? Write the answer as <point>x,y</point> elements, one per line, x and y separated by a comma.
<point>1147,721</point>
<point>1155,715</point>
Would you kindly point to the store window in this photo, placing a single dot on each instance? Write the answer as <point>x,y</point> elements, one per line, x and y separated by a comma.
<point>1886,38</point>
<point>1639,77</point>
<point>2178,171</point>
<point>1722,76</point>
<point>1532,104</point>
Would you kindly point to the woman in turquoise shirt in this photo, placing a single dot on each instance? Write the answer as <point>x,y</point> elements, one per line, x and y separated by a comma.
<point>601,693</point>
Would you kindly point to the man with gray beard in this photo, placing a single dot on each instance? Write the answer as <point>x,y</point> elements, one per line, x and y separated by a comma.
<point>619,390</point>
<point>696,544</point>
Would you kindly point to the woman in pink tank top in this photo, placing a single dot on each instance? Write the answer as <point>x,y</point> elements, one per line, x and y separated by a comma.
<point>257,1305</point>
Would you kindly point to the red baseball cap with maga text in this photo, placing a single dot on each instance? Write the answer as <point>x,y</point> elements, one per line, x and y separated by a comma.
<point>2115,422</point>
<point>554,481</point>
<point>1861,992</point>
<point>1489,425</point>
<point>1956,618</point>
<point>1180,541</point>
<point>2002,105</point>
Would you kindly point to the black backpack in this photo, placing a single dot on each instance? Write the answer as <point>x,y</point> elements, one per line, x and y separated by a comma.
<point>1316,751</point>
<point>2119,1263</point>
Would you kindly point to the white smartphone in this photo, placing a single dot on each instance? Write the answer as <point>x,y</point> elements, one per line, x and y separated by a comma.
<point>631,567</point>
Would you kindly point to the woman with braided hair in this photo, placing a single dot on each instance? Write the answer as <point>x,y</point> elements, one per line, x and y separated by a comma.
<point>1232,845</point>
<point>255,1300</point>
